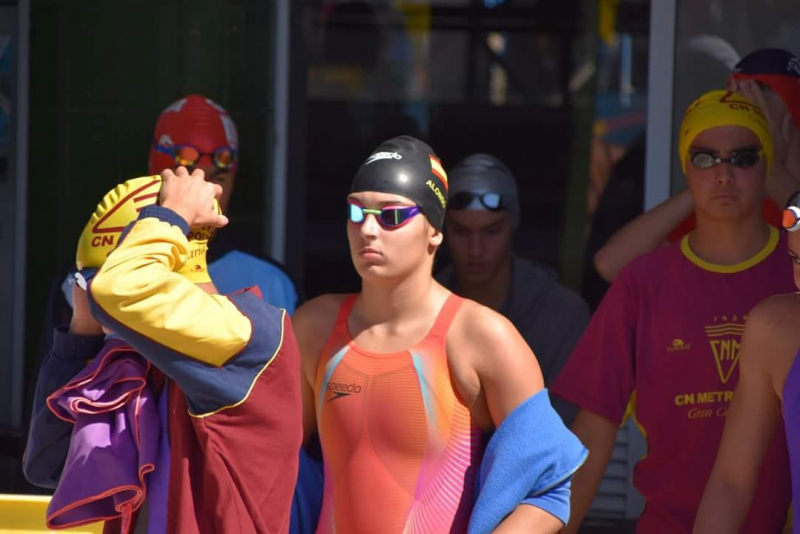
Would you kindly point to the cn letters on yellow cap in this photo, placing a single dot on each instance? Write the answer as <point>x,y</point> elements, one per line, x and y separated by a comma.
<point>118,208</point>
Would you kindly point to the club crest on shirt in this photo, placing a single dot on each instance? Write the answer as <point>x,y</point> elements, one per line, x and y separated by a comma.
<point>725,338</point>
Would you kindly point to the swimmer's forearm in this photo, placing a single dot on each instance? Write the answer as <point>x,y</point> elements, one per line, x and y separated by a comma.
<point>527,518</point>
<point>644,234</point>
<point>723,508</point>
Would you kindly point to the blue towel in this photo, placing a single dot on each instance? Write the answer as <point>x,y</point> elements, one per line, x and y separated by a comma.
<point>530,459</point>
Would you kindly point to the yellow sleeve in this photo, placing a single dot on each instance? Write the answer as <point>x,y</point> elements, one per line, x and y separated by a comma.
<point>138,292</point>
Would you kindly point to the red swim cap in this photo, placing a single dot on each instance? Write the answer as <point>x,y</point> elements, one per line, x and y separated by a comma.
<point>193,120</point>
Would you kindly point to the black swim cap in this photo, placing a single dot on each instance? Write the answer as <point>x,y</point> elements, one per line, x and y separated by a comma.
<point>407,167</point>
<point>769,61</point>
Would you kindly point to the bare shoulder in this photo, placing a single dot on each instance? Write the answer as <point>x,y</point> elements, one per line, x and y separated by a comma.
<point>312,323</point>
<point>477,322</point>
<point>318,310</point>
<point>775,315</point>
<point>772,337</point>
<point>487,338</point>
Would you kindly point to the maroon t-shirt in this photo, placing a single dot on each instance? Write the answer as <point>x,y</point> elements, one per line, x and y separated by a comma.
<point>669,329</point>
<point>235,469</point>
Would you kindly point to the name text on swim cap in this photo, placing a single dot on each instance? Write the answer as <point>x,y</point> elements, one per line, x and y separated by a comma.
<point>437,192</point>
<point>739,105</point>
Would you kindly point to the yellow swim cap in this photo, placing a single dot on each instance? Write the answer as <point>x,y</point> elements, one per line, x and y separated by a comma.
<point>722,108</point>
<point>121,206</point>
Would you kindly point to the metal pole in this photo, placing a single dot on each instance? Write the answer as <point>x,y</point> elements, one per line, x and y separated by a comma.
<point>280,125</point>
<point>17,381</point>
<point>660,79</point>
<point>658,164</point>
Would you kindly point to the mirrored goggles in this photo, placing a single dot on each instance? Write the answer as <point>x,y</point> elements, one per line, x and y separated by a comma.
<point>189,156</point>
<point>390,217</point>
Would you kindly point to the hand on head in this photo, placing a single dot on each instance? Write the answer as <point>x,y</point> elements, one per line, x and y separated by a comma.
<point>778,117</point>
<point>191,197</point>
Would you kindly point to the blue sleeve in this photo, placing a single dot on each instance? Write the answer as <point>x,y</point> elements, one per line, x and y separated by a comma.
<point>48,436</point>
<point>555,501</point>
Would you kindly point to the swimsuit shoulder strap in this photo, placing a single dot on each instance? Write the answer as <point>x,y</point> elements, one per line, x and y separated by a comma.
<point>446,316</point>
<point>344,309</point>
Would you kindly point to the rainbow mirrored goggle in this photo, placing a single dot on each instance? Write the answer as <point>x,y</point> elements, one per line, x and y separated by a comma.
<point>189,156</point>
<point>390,217</point>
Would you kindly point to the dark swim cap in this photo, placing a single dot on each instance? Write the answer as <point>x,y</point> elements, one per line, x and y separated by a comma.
<point>407,167</point>
<point>769,61</point>
<point>777,68</point>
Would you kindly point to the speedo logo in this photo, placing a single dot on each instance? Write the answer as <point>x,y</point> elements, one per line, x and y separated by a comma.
<point>340,390</point>
<point>437,192</point>
<point>383,155</point>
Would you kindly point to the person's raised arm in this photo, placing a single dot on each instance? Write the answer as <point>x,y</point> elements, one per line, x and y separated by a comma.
<point>188,333</point>
<point>138,292</point>
<point>783,178</point>
<point>644,234</point>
